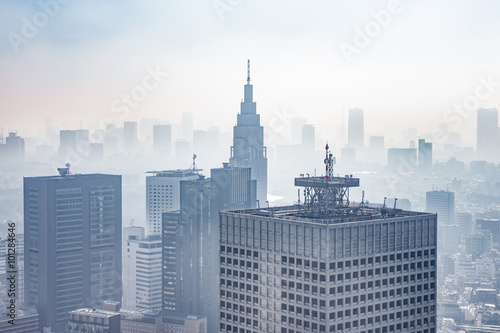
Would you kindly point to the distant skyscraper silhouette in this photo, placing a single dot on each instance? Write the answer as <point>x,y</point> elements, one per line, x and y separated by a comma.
<point>73,232</point>
<point>442,203</point>
<point>487,133</point>
<point>424,156</point>
<point>73,144</point>
<point>356,129</point>
<point>13,150</point>
<point>162,140</point>
<point>130,139</point>
<point>248,148</point>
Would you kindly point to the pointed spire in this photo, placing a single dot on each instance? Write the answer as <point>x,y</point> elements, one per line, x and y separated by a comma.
<point>248,72</point>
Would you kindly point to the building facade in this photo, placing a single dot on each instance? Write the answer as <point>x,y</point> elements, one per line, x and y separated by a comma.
<point>92,320</point>
<point>191,240</point>
<point>163,195</point>
<point>142,260</point>
<point>72,243</point>
<point>325,266</point>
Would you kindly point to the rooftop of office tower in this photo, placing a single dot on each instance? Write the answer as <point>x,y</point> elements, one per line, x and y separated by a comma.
<point>325,200</point>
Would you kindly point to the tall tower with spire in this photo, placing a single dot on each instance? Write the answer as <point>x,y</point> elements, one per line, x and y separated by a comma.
<point>248,148</point>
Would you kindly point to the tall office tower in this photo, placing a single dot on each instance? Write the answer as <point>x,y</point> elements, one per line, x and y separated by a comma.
<point>308,138</point>
<point>442,203</point>
<point>130,140</point>
<point>248,150</point>
<point>73,145</point>
<point>327,266</point>
<point>13,149</point>
<point>487,133</point>
<point>163,195</point>
<point>356,129</point>
<point>142,282</point>
<point>424,156</point>
<point>402,160</point>
<point>187,126</point>
<point>191,240</point>
<point>72,241</point>
<point>162,140</point>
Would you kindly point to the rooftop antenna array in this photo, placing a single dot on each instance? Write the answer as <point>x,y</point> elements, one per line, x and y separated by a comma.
<point>64,171</point>
<point>193,166</point>
<point>326,195</point>
<point>329,162</point>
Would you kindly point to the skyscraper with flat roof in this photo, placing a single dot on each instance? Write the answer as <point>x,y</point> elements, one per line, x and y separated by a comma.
<point>162,140</point>
<point>327,266</point>
<point>130,139</point>
<point>163,195</point>
<point>442,203</point>
<point>248,150</point>
<point>142,270</point>
<point>72,242</point>
<point>356,129</point>
<point>487,133</point>
<point>424,156</point>
<point>191,240</point>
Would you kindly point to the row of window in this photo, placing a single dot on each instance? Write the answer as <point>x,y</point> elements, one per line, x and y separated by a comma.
<point>363,261</point>
<point>237,251</point>
<point>363,286</point>
<point>359,274</point>
<point>241,262</point>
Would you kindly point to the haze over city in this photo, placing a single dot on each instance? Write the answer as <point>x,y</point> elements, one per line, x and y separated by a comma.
<point>428,57</point>
<point>249,166</point>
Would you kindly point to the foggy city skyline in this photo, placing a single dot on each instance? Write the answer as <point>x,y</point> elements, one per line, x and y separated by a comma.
<point>89,71</point>
<point>246,166</point>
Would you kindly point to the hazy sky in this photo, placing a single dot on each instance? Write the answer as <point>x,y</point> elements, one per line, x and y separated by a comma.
<point>77,64</point>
